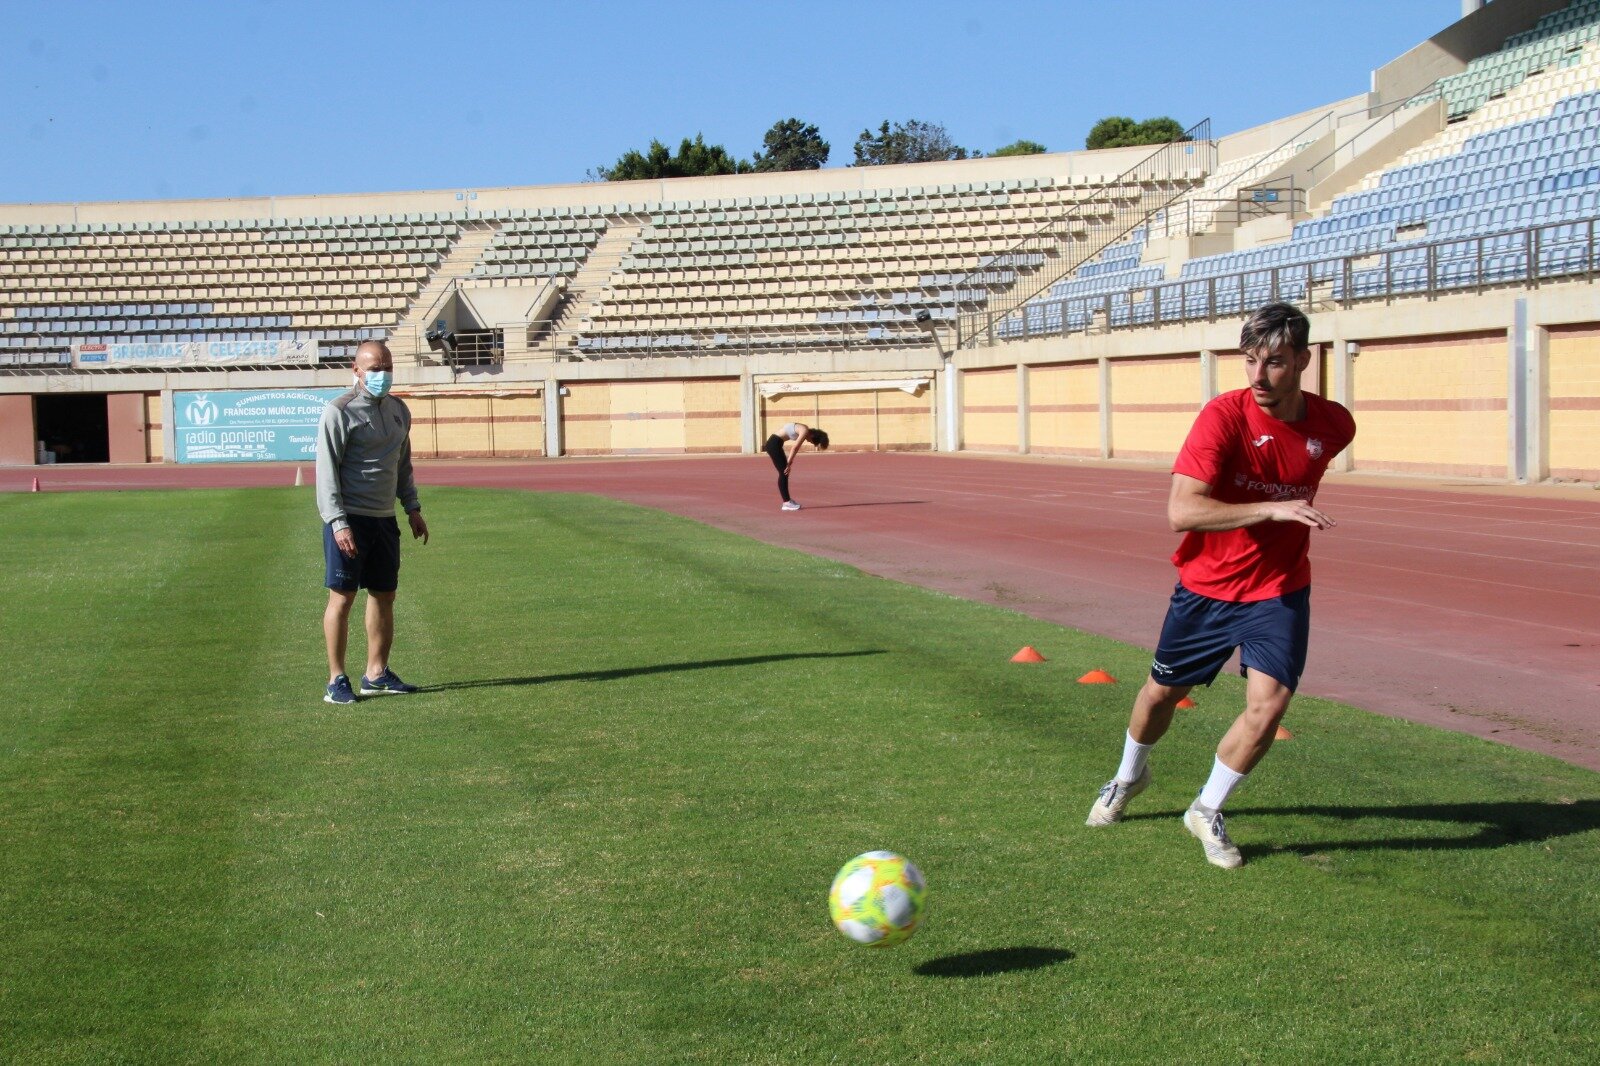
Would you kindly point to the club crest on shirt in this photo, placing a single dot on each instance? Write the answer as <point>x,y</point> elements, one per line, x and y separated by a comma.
<point>1314,447</point>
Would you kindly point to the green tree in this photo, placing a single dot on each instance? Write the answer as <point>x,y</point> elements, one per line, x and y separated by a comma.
<point>791,145</point>
<point>1020,148</point>
<point>907,142</point>
<point>1119,131</point>
<point>694,159</point>
<point>1160,130</point>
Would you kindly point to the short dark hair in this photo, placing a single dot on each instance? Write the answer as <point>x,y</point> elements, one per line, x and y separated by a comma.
<point>818,439</point>
<point>1274,326</point>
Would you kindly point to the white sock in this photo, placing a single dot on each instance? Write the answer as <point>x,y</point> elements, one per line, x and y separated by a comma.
<point>1219,786</point>
<point>1133,757</point>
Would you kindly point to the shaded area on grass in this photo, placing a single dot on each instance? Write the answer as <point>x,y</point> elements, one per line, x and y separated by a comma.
<point>867,503</point>
<point>993,961</point>
<point>1499,824</point>
<point>655,668</point>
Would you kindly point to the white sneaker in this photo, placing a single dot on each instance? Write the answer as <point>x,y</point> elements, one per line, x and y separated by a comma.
<point>1113,800</point>
<point>1209,829</point>
<point>790,505</point>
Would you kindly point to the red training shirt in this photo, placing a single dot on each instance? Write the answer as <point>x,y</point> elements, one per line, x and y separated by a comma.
<point>1247,456</point>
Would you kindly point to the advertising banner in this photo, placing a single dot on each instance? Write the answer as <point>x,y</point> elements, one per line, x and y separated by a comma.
<point>156,354</point>
<point>245,427</point>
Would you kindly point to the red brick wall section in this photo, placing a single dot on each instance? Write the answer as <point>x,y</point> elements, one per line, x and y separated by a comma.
<point>16,431</point>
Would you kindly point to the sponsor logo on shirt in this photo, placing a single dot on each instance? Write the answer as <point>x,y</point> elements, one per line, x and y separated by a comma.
<point>1272,489</point>
<point>1259,441</point>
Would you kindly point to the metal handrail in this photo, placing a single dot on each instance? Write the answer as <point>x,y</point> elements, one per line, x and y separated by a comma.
<point>1516,257</point>
<point>1527,256</point>
<point>1241,208</point>
<point>1046,241</point>
<point>1380,113</point>
<point>1329,117</point>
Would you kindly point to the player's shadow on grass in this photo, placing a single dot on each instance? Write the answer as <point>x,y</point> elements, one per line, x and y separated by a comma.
<point>654,668</point>
<point>993,961</point>
<point>1498,825</point>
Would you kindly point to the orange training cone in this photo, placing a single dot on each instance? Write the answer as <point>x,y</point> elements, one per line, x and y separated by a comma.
<point>1186,704</point>
<point>35,485</point>
<point>1097,677</point>
<point>1283,734</point>
<point>1028,655</point>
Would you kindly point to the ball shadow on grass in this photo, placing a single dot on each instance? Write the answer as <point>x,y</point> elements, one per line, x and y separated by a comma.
<point>993,961</point>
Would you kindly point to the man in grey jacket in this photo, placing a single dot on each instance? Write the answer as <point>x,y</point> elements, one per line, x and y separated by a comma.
<point>363,466</point>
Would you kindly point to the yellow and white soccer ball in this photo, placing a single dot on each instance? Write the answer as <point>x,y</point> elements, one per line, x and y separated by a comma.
<point>877,899</point>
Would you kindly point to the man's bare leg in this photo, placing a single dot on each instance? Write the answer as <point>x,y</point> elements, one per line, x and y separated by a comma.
<point>1152,714</point>
<point>336,629</point>
<point>1242,747</point>
<point>380,631</point>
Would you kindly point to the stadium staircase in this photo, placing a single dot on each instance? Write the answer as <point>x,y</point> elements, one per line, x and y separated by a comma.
<point>407,338</point>
<point>591,283</point>
<point>1059,249</point>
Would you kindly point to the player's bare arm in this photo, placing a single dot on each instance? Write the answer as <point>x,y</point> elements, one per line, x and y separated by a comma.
<point>1190,507</point>
<point>794,449</point>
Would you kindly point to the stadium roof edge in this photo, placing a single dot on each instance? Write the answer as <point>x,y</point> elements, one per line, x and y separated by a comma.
<point>1057,165</point>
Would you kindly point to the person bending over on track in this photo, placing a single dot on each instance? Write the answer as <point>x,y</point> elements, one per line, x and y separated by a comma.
<point>363,465</point>
<point>794,435</point>
<point>1242,492</point>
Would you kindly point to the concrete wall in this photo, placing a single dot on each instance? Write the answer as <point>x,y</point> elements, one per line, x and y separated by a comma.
<point>501,425</point>
<point>1574,402</point>
<point>1153,402</point>
<point>17,446</point>
<point>1064,409</point>
<point>1430,383</point>
<point>1433,405</point>
<point>989,406</point>
<point>857,420</point>
<point>652,417</point>
<point>1451,49</point>
<point>155,438</point>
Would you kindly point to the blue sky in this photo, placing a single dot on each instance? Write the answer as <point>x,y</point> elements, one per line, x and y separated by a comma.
<point>134,100</point>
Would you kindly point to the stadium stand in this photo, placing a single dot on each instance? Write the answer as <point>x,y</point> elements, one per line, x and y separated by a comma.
<point>334,280</point>
<point>967,304</point>
<point>1554,39</point>
<point>1510,195</point>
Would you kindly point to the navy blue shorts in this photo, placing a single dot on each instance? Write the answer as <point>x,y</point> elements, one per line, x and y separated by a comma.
<point>376,565</point>
<point>1200,635</point>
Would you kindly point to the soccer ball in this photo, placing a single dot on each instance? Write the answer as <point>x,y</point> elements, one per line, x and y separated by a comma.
<point>877,899</point>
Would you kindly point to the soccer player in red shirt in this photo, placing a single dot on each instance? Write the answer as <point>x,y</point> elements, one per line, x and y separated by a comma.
<point>1242,495</point>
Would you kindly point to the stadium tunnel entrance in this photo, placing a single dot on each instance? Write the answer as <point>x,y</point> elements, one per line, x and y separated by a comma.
<point>83,427</point>
<point>72,428</point>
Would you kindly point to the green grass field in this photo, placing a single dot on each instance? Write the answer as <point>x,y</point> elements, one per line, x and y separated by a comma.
<point>606,831</point>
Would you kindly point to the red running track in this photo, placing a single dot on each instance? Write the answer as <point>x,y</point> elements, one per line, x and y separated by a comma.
<point>1467,607</point>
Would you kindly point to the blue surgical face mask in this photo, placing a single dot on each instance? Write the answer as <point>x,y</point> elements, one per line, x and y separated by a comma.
<point>378,382</point>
